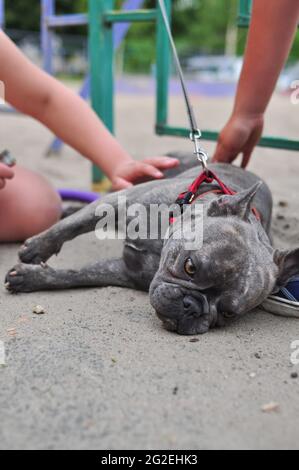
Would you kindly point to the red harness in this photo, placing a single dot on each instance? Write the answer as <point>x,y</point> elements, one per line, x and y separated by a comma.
<point>189,196</point>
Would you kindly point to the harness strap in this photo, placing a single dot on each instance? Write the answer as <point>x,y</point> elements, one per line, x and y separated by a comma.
<point>189,196</point>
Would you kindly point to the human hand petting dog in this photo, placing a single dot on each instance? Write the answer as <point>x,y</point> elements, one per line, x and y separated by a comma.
<point>6,173</point>
<point>131,172</point>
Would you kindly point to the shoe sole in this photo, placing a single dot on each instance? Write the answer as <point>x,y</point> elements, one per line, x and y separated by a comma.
<point>281,307</point>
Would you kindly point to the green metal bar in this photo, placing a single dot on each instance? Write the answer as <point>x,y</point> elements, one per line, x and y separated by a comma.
<point>267,141</point>
<point>162,67</point>
<point>279,143</point>
<point>130,16</point>
<point>101,69</point>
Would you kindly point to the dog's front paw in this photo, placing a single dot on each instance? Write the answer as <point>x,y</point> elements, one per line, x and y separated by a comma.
<point>38,249</point>
<point>24,278</point>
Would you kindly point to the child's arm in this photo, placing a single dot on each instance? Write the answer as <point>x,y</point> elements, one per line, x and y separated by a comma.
<point>271,34</point>
<point>39,95</point>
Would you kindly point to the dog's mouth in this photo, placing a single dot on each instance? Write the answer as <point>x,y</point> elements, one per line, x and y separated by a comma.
<point>183,311</point>
<point>186,325</point>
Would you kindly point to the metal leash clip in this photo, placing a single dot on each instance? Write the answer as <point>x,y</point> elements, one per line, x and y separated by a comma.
<point>201,155</point>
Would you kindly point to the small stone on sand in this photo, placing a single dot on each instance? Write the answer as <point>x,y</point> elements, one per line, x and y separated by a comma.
<point>12,331</point>
<point>270,407</point>
<point>39,310</point>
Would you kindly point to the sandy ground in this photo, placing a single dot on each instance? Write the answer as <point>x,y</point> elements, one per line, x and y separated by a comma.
<point>98,370</point>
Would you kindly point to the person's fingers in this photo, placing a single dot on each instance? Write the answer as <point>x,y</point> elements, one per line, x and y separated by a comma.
<point>2,183</point>
<point>6,172</point>
<point>120,183</point>
<point>162,162</point>
<point>250,145</point>
<point>246,157</point>
<point>223,155</point>
<point>145,169</point>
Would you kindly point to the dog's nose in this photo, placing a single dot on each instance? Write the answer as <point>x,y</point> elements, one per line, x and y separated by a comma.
<point>195,307</point>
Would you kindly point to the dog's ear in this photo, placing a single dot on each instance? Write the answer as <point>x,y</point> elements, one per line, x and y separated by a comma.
<point>288,265</point>
<point>237,205</point>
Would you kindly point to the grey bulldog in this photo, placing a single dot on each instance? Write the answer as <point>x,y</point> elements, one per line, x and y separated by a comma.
<point>231,272</point>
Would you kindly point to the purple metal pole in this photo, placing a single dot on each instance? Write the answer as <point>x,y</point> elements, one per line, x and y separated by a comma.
<point>47,9</point>
<point>120,29</point>
<point>2,14</point>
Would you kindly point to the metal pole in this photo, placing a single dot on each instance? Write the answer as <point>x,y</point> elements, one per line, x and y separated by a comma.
<point>47,9</point>
<point>2,14</point>
<point>244,13</point>
<point>120,30</point>
<point>101,71</point>
<point>162,68</point>
<point>119,33</point>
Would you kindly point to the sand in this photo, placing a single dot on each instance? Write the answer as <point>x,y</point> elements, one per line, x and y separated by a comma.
<point>97,370</point>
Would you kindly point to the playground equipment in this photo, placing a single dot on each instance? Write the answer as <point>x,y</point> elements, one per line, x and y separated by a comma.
<point>51,22</point>
<point>244,13</point>
<point>2,14</point>
<point>101,19</point>
<point>104,38</point>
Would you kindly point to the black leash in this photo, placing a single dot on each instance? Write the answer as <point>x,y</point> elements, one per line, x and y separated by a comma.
<point>195,133</point>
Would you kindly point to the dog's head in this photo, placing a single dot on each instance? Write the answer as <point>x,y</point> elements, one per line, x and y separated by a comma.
<point>233,271</point>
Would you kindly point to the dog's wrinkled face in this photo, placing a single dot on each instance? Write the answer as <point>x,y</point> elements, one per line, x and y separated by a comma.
<point>233,271</point>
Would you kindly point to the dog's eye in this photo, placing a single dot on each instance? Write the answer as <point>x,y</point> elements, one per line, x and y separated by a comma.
<point>189,266</point>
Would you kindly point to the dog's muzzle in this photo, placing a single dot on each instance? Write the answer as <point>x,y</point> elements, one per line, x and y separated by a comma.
<point>187,313</point>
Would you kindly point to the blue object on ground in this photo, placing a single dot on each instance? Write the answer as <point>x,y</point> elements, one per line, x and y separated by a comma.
<point>290,291</point>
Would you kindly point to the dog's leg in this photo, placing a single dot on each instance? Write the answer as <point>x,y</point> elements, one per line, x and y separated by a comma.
<point>29,278</point>
<point>41,247</point>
